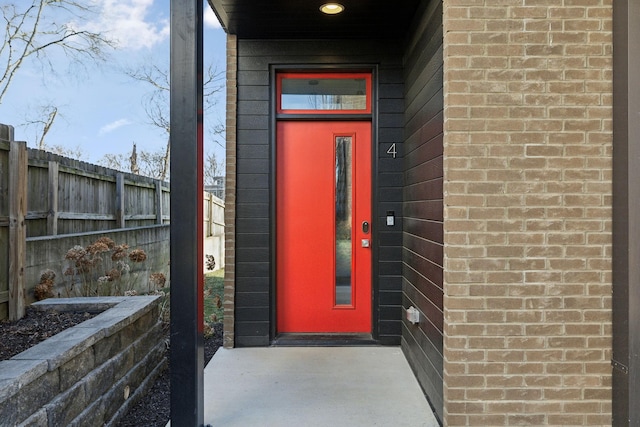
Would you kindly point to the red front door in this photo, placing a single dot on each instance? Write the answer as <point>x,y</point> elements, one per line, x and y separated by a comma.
<point>323,227</point>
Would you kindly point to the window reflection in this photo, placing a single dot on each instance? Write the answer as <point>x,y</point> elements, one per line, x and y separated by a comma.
<point>343,220</point>
<point>324,94</point>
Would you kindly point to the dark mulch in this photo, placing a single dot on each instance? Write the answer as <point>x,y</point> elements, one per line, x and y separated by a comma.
<point>152,410</point>
<point>34,327</point>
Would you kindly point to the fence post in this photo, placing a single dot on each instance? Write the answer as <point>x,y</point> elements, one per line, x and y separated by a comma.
<point>210,218</point>
<point>52,214</point>
<point>120,200</point>
<point>159,207</point>
<point>18,163</point>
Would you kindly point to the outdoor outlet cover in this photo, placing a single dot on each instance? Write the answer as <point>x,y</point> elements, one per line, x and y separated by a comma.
<point>413,315</point>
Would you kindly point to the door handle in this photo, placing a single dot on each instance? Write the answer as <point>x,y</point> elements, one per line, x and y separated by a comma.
<point>365,227</point>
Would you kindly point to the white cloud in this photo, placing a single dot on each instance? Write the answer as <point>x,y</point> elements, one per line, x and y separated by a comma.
<point>129,24</point>
<point>113,126</point>
<point>210,18</point>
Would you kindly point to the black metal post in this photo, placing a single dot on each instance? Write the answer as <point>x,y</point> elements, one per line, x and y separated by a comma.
<point>187,346</point>
<point>626,214</point>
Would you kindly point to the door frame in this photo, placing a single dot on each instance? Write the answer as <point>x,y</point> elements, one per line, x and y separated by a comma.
<point>274,116</point>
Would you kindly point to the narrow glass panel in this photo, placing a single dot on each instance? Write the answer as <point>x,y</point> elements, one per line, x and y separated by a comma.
<point>343,220</point>
<point>324,94</point>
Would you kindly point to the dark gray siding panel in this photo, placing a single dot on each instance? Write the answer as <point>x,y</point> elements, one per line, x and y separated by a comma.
<point>423,206</point>
<point>389,198</point>
<point>252,209</point>
<point>254,241</point>
<point>255,195</point>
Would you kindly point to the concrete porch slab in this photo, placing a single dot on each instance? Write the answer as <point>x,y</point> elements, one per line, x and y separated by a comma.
<point>313,386</point>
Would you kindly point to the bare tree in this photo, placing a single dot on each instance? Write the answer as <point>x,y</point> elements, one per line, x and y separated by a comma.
<point>157,101</point>
<point>154,164</point>
<point>213,168</point>
<point>114,161</point>
<point>40,120</point>
<point>139,162</point>
<point>35,29</point>
<point>72,153</point>
<point>156,104</point>
<point>150,163</point>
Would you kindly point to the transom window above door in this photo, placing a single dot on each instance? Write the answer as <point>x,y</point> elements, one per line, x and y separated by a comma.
<point>329,93</point>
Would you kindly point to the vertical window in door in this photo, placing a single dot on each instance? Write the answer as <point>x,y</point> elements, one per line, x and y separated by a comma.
<point>343,191</point>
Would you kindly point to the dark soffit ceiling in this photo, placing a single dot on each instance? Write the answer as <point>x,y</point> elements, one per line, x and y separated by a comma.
<point>302,19</point>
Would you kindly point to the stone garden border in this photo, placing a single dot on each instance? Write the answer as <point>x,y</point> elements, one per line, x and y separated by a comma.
<point>90,374</point>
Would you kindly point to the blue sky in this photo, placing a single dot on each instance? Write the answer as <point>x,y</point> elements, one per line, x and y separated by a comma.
<point>101,109</point>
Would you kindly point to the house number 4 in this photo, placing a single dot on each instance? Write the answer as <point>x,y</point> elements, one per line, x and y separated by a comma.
<point>392,150</point>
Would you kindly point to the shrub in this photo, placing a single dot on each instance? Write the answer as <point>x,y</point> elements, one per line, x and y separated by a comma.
<point>105,268</point>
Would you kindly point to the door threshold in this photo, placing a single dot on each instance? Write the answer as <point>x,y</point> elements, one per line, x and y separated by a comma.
<point>323,340</point>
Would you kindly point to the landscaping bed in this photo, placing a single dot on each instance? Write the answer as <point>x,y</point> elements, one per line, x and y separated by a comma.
<point>153,407</point>
<point>89,374</point>
<point>35,327</point>
<point>154,410</point>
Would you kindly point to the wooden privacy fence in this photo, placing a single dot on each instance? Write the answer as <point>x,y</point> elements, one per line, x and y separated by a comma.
<point>69,196</point>
<point>214,229</point>
<point>43,194</point>
<point>13,208</point>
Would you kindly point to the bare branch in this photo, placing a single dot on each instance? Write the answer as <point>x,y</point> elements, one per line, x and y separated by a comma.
<point>156,105</point>
<point>72,153</point>
<point>114,161</point>
<point>157,101</point>
<point>151,74</point>
<point>35,31</point>
<point>41,120</point>
<point>213,169</point>
<point>165,161</point>
<point>47,125</point>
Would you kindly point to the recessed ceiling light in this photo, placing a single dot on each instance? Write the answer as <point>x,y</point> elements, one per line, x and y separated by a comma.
<point>331,8</point>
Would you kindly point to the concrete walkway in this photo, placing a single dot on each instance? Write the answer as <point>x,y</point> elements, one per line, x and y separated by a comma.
<point>313,386</point>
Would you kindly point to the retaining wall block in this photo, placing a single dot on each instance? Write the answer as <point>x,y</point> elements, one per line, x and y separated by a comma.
<point>125,362</point>
<point>67,406</point>
<point>85,375</point>
<point>130,333</point>
<point>75,369</point>
<point>14,374</point>
<point>33,395</point>
<point>92,416</point>
<point>123,389</point>
<point>149,340</point>
<point>63,347</point>
<point>100,380</point>
<point>38,419</point>
<point>107,348</point>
